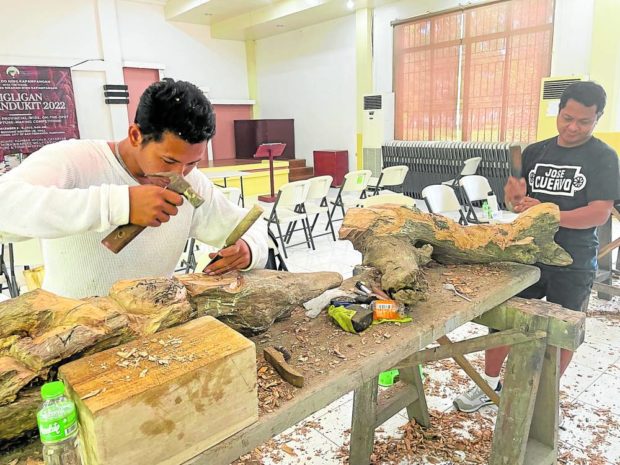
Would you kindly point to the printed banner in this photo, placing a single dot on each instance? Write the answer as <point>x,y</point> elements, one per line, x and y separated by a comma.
<point>37,107</point>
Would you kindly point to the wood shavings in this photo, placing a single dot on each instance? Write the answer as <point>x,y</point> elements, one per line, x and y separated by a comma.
<point>288,450</point>
<point>453,437</point>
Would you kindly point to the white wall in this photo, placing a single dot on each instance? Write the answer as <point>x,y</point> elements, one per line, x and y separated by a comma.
<point>309,75</point>
<point>65,32</point>
<point>572,37</point>
<point>187,50</point>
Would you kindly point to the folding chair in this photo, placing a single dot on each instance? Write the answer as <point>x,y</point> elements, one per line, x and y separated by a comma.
<point>470,166</point>
<point>189,263</point>
<point>289,208</point>
<point>26,254</point>
<point>442,199</point>
<point>392,198</point>
<point>475,188</point>
<point>353,189</point>
<point>274,260</point>
<point>392,177</point>
<point>7,269</point>
<point>317,203</point>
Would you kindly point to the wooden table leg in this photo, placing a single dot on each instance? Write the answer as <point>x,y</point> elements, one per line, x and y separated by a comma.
<point>510,438</point>
<point>417,410</point>
<point>363,424</point>
<point>542,448</point>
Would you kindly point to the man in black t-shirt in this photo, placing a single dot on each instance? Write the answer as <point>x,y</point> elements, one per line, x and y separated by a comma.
<point>579,173</point>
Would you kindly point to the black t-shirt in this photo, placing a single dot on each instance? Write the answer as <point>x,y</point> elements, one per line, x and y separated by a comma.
<point>571,178</point>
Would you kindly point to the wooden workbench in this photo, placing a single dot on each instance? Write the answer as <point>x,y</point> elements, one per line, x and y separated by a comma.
<point>334,363</point>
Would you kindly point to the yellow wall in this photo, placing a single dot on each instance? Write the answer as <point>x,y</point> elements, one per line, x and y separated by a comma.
<point>255,182</point>
<point>610,138</point>
<point>605,60</point>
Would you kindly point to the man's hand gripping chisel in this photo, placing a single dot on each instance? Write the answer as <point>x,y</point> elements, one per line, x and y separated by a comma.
<point>123,235</point>
<point>243,226</point>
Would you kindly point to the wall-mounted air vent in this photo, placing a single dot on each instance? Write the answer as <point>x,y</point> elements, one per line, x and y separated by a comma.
<point>372,102</point>
<point>553,89</point>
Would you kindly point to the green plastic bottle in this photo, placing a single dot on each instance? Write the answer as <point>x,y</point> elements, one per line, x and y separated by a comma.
<point>486,208</point>
<point>58,426</point>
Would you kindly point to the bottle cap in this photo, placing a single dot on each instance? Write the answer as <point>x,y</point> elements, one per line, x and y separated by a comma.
<point>52,390</point>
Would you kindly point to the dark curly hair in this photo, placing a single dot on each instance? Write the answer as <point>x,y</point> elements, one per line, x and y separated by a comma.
<point>177,107</point>
<point>587,93</point>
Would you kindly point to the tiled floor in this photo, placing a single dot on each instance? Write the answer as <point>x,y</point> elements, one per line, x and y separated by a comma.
<point>590,388</point>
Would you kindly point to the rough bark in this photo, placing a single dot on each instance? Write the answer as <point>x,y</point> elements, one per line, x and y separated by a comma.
<point>39,330</point>
<point>251,302</point>
<point>19,417</point>
<point>400,240</point>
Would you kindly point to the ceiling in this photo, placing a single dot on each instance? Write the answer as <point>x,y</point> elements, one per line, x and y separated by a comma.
<point>256,19</point>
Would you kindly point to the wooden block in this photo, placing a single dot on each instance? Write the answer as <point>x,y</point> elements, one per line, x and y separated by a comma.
<point>162,399</point>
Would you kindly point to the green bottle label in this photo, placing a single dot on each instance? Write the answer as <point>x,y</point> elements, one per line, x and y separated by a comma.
<point>57,422</point>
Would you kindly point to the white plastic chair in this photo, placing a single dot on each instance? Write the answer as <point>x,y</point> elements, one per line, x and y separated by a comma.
<point>288,209</point>
<point>188,261</point>
<point>470,166</point>
<point>391,177</point>
<point>392,198</point>
<point>475,188</point>
<point>442,199</point>
<point>317,203</point>
<point>353,189</point>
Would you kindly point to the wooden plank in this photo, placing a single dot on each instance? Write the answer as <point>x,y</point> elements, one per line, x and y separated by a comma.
<point>392,401</point>
<point>544,426</point>
<point>566,328</point>
<point>476,344</point>
<point>472,373</point>
<point>154,400</point>
<point>363,423</point>
<point>606,289</point>
<point>521,382</point>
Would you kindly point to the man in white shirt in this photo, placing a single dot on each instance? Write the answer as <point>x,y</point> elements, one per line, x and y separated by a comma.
<point>72,194</point>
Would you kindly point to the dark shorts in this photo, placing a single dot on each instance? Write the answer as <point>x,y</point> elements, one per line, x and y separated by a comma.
<point>566,287</point>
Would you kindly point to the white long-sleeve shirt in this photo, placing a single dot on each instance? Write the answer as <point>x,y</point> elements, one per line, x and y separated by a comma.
<point>72,194</point>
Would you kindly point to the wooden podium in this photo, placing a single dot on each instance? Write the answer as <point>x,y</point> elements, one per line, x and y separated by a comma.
<point>269,151</point>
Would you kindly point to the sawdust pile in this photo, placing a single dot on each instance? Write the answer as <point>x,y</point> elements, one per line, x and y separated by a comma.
<point>453,436</point>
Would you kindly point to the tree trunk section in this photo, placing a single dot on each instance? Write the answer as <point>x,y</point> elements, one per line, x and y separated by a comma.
<point>400,240</point>
<point>39,330</point>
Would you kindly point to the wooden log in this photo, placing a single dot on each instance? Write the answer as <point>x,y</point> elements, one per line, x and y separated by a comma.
<point>40,330</point>
<point>153,303</point>
<point>13,377</point>
<point>528,239</point>
<point>386,236</point>
<point>19,417</point>
<point>162,400</point>
<point>251,302</point>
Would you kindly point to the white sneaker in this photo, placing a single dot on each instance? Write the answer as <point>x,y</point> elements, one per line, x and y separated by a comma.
<point>474,399</point>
